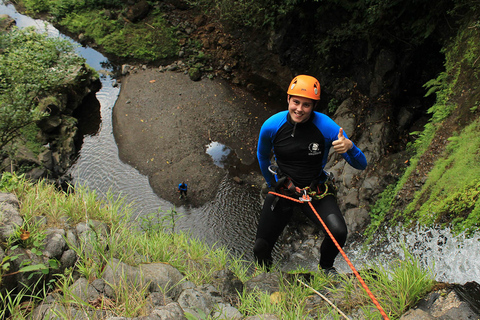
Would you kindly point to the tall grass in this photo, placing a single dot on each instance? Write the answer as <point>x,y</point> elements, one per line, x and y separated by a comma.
<point>397,288</point>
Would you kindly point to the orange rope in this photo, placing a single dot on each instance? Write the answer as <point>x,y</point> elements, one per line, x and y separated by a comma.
<point>364,285</point>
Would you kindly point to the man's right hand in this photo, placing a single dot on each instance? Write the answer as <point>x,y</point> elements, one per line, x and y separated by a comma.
<point>266,189</point>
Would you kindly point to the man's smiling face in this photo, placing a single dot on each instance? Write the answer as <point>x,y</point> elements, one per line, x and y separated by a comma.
<point>300,108</point>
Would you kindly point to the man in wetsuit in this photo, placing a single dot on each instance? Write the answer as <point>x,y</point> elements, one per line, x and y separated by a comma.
<point>182,189</point>
<point>301,139</point>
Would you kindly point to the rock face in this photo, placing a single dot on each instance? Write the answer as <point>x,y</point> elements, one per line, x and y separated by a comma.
<point>59,131</point>
<point>6,22</point>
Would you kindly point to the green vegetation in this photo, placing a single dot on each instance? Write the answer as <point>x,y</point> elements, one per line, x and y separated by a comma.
<point>104,23</point>
<point>373,22</point>
<point>449,195</point>
<point>453,185</point>
<point>245,13</point>
<point>397,287</point>
<point>145,41</point>
<point>31,66</point>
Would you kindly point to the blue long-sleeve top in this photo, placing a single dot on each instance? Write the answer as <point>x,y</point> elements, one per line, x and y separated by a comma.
<point>301,149</point>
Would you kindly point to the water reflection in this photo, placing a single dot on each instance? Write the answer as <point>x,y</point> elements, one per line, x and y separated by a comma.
<point>219,153</point>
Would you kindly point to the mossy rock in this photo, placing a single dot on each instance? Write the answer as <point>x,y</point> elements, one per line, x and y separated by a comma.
<point>195,74</point>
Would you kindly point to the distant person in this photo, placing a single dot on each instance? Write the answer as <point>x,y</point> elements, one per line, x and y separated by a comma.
<point>182,189</point>
<point>300,139</point>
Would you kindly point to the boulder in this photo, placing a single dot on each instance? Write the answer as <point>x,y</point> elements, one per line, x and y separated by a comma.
<point>10,219</point>
<point>137,11</point>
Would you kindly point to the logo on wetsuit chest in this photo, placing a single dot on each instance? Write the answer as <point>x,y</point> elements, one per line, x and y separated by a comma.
<point>314,149</point>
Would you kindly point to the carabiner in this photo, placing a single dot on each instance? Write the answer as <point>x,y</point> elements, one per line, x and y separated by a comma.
<point>305,197</point>
<point>273,169</point>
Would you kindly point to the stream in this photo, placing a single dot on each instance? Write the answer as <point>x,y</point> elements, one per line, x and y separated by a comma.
<point>453,259</point>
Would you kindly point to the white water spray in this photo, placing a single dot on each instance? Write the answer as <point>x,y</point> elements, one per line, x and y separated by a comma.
<point>452,258</point>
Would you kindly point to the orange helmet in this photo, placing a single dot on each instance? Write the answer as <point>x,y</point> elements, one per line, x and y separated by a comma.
<point>305,86</point>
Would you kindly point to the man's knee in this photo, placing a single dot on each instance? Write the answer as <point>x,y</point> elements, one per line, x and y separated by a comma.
<point>340,233</point>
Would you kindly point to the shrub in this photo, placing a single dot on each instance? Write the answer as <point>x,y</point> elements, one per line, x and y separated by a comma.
<point>31,65</point>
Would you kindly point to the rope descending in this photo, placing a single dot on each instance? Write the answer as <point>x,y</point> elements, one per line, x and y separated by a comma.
<point>306,198</point>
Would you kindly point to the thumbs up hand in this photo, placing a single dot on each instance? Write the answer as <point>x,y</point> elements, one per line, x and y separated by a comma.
<point>342,144</point>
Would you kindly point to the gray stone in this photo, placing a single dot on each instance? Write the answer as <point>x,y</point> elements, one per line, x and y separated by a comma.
<point>55,243</point>
<point>36,173</point>
<point>226,311</point>
<point>125,69</point>
<point>117,274</point>
<point>156,300</point>
<point>162,277</point>
<point>356,218</point>
<point>68,259</point>
<point>72,239</point>
<point>82,290</point>
<point>45,158</point>
<point>451,307</point>
<point>10,218</point>
<point>193,301</point>
<point>227,282</point>
<point>416,314</point>
<point>345,117</point>
<point>351,199</point>
<point>371,186</point>
<point>171,311</point>
<point>99,285</point>
<point>266,282</point>
<point>91,236</point>
<point>9,198</point>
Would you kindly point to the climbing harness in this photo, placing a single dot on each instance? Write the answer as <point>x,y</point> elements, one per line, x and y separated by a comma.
<point>314,192</point>
<point>360,279</point>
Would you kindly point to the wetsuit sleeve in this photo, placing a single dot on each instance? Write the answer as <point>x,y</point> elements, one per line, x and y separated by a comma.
<point>355,157</point>
<point>264,148</point>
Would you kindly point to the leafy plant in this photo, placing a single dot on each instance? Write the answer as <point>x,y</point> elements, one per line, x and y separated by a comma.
<point>11,181</point>
<point>31,65</point>
<point>333,105</point>
<point>160,221</point>
<point>148,41</point>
